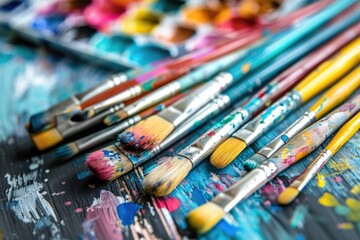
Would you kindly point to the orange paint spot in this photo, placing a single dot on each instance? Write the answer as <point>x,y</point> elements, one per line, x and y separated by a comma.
<point>245,68</point>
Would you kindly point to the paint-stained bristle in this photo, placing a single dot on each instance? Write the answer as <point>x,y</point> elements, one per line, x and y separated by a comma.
<point>254,162</point>
<point>112,119</point>
<point>40,121</point>
<point>163,179</point>
<point>227,152</point>
<point>46,139</point>
<point>205,217</point>
<point>66,151</point>
<point>147,133</point>
<point>288,195</point>
<point>109,163</point>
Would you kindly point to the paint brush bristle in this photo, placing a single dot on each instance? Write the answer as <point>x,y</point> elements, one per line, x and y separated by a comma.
<point>46,139</point>
<point>40,121</point>
<point>205,217</point>
<point>163,179</point>
<point>109,163</point>
<point>226,152</point>
<point>288,195</point>
<point>65,152</point>
<point>254,162</point>
<point>147,133</point>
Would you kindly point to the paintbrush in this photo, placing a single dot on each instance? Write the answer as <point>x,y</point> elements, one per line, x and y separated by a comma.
<point>343,135</point>
<point>114,160</point>
<point>297,148</point>
<point>206,143</point>
<point>198,75</point>
<point>325,75</point>
<point>144,135</point>
<point>329,100</point>
<point>71,149</point>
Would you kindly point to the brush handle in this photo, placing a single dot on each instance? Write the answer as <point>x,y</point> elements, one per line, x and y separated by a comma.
<point>280,42</point>
<point>310,138</point>
<point>289,78</point>
<point>267,119</point>
<point>329,100</point>
<point>330,70</point>
<point>205,114</point>
<point>341,137</point>
<point>178,112</point>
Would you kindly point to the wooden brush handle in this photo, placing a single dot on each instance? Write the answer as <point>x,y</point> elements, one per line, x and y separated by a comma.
<point>337,94</point>
<point>344,134</point>
<point>310,138</point>
<point>331,70</point>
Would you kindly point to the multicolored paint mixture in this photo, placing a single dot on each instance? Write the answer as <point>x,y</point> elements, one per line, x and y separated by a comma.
<point>64,198</point>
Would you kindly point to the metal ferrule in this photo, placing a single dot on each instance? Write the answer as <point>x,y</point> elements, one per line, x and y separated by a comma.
<point>70,128</point>
<point>118,98</point>
<point>247,185</point>
<point>306,120</point>
<point>210,140</point>
<point>153,98</point>
<point>184,108</point>
<point>208,111</point>
<point>311,171</point>
<point>268,118</point>
<point>106,134</point>
<point>113,81</point>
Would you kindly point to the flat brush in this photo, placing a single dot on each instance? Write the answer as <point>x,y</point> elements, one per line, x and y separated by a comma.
<point>207,142</point>
<point>343,135</point>
<point>318,80</point>
<point>114,160</point>
<point>329,100</point>
<point>297,148</point>
<point>181,84</point>
<point>71,149</point>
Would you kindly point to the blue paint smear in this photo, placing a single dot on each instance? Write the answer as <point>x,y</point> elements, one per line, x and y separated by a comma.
<point>198,196</point>
<point>284,138</point>
<point>127,212</point>
<point>228,228</point>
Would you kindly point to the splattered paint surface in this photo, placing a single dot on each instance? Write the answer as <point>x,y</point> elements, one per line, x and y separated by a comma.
<point>42,199</point>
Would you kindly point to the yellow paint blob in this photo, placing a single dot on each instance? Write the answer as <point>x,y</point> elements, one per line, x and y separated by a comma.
<point>356,189</point>
<point>320,180</point>
<point>328,200</point>
<point>353,204</point>
<point>353,216</point>
<point>345,226</point>
<point>245,68</point>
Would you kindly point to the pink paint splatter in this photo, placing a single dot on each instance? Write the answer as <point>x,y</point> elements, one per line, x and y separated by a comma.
<point>79,210</point>
<point>170,203</point>
<point>272,190</point>
<point>68,203</point>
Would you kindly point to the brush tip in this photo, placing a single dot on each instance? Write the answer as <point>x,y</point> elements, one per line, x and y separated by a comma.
<point>39,122</point>
<point>254,162</point>
<point>205,217</point>
<point>163,179</point>
<point>226,152</point>
<point>288,195</point>
<point>146,134</point>
<point>46,139</point>
<point>109,163</point>
<point>80,116</point>
<point>66,151</point>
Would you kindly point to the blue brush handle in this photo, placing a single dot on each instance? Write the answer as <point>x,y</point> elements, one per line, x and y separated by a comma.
<point>264,75</point>
<point>280,42</point>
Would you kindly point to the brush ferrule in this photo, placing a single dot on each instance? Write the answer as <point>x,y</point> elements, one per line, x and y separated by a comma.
<point>303,122</point>
<point>207,142</point>
<point>113,81</point>
<point>311,171</point>
<point>247,185</point>
<point>153,98</point>
<point>268,118</point>
<point>182,109</point>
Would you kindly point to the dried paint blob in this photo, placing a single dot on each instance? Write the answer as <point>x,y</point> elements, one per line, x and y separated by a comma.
<point>79,210</point>
<point>127,212</point>
<point>170,203</point>
<point>328,200</point>
<point>68,203</point>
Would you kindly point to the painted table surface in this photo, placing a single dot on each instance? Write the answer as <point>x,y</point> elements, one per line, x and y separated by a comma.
<point>42,199</point>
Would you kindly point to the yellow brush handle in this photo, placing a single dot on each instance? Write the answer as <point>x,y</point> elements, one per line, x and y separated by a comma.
<point>344,134</point>
<point>331,70</point>
<point>337,94</point>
